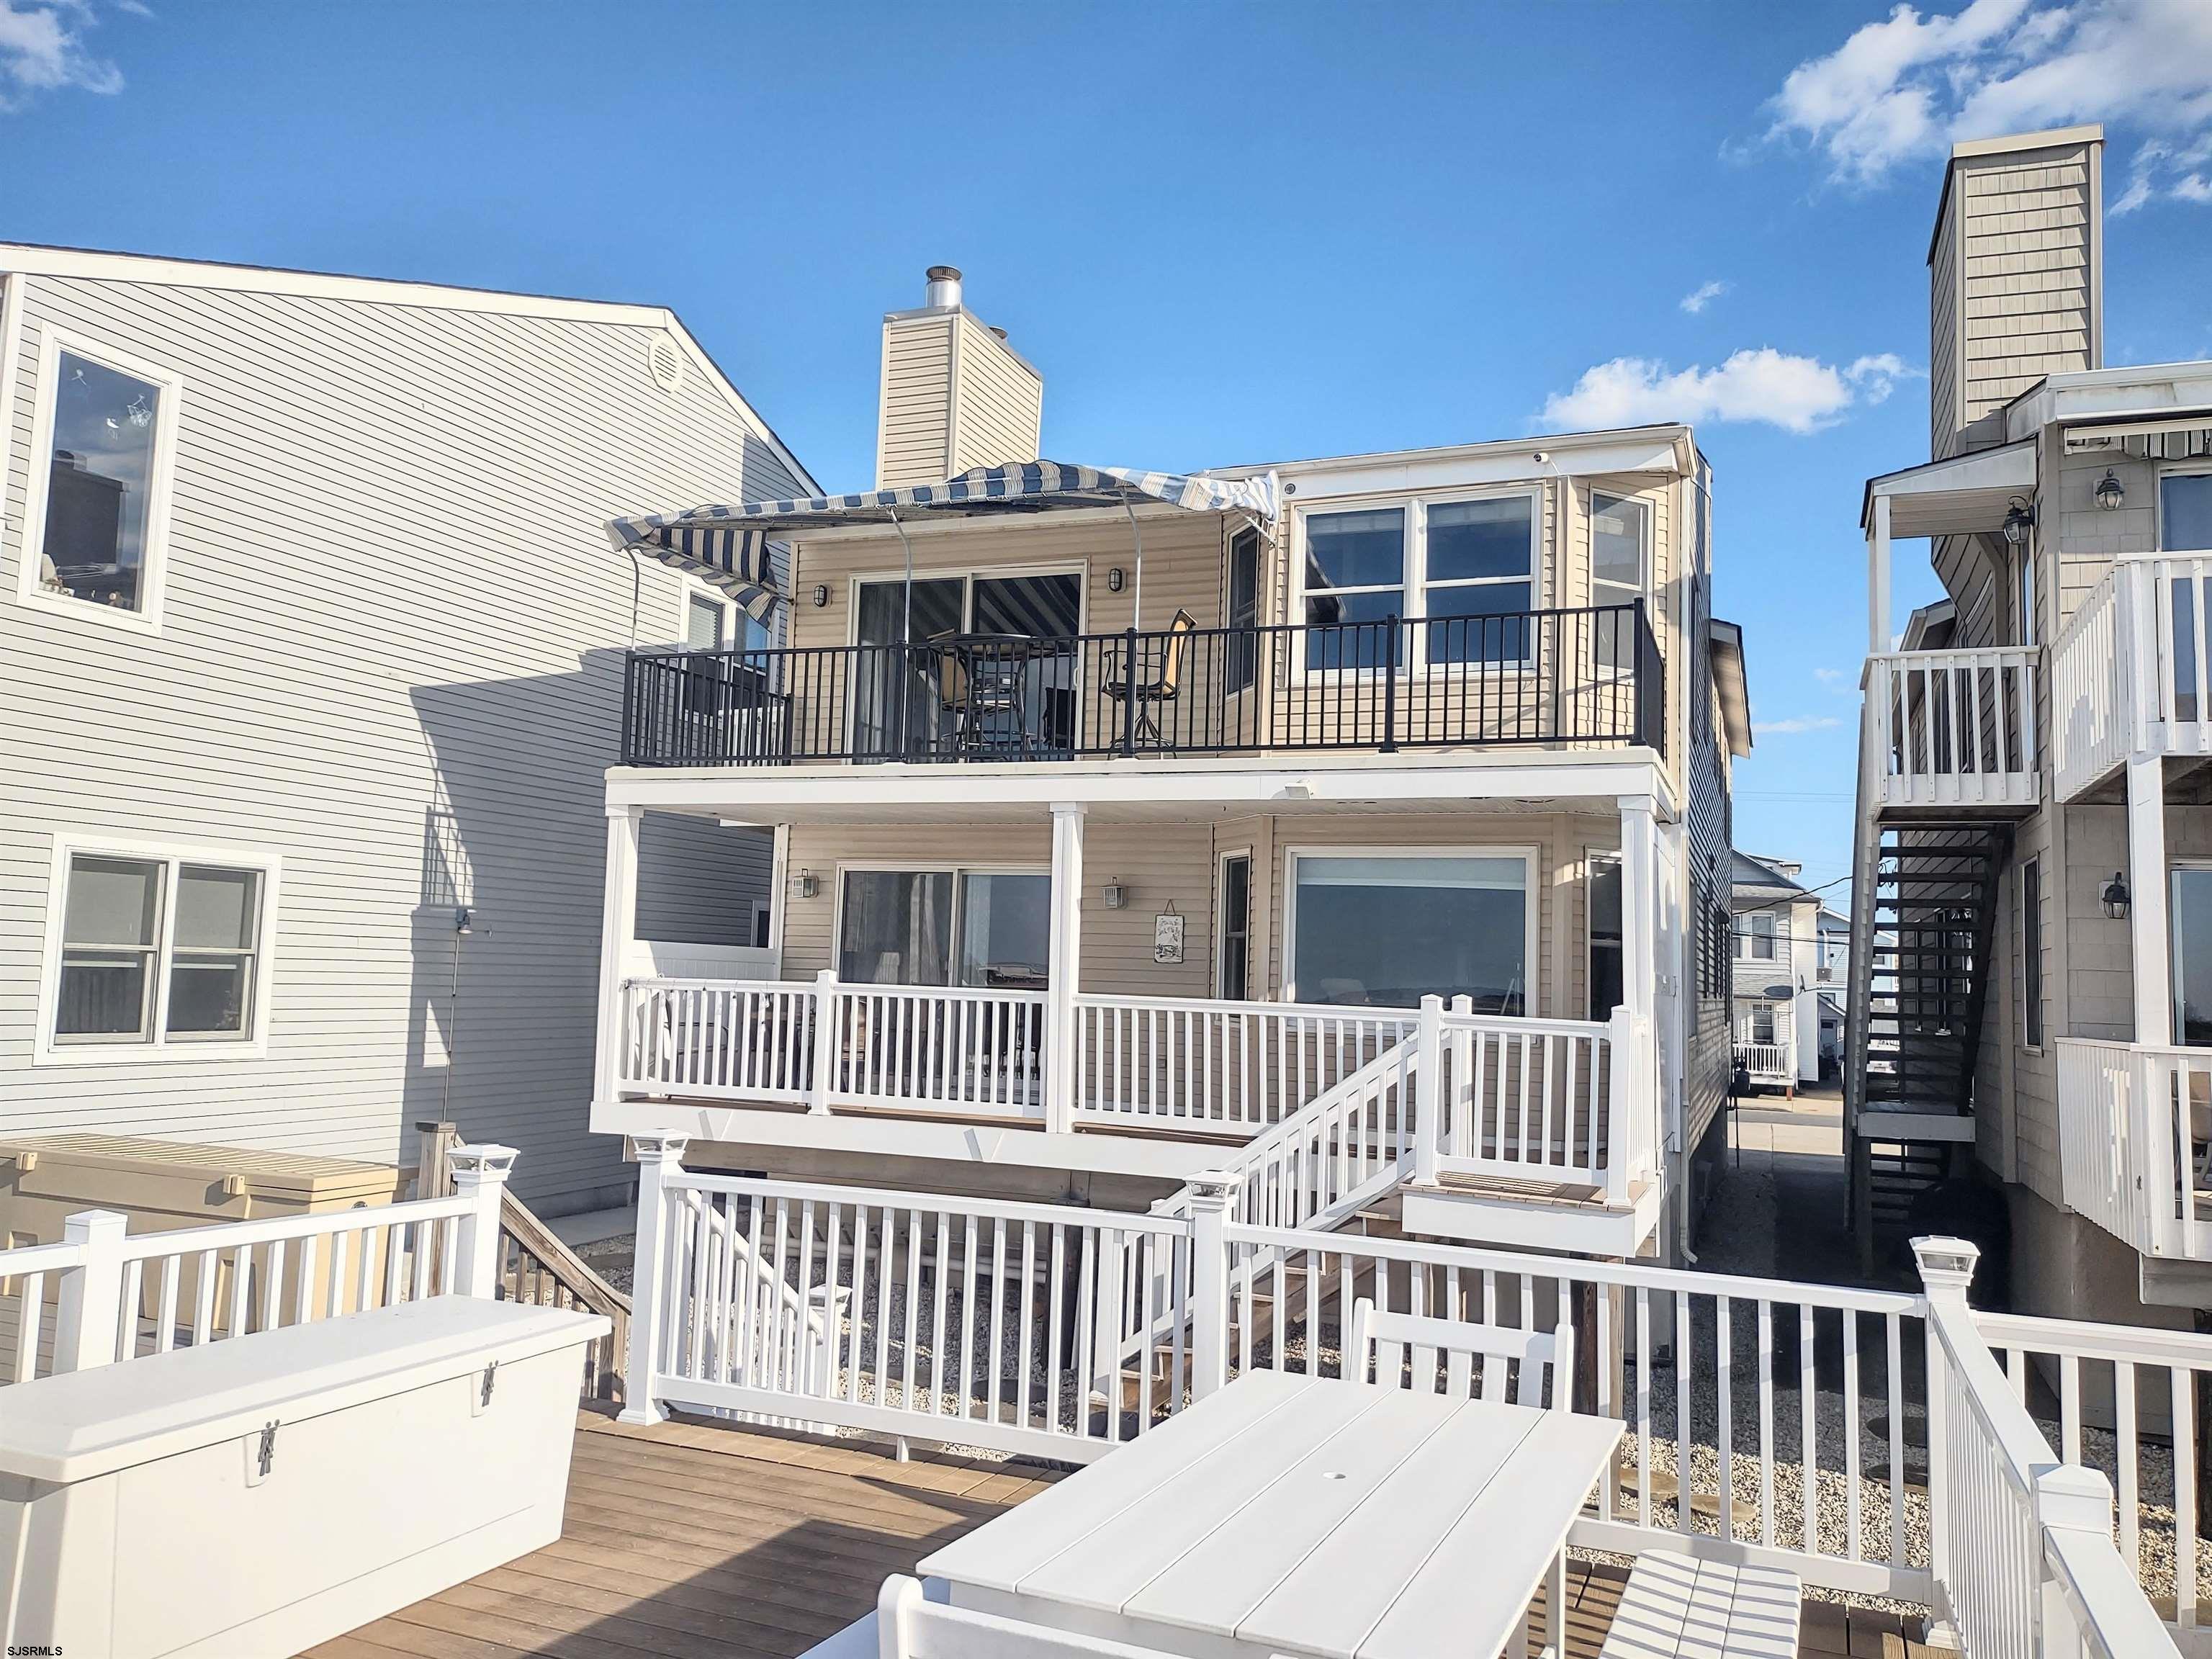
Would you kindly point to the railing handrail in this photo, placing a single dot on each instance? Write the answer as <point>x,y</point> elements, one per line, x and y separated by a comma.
<point>228,1235</point>
<point>1956,653</point>
<point>1375,1013</point>
<point>2104,1599</point>
<point>930,1203</point>
<point>1530,1024</point>
<point>27,1258</point>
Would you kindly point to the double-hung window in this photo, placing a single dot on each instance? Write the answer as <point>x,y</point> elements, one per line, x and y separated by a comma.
<point>1755,936</point>
<point>154,950</point>
<point>97,522</point>
<point>1462,572</point>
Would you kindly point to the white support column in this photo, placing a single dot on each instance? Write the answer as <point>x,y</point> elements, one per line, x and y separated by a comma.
<point>1878,639</point>
<point>1639,905</point>
<point>479,1176</point>
<point>1947,1269</point>
<point>1064,957</point>
<point>2146,882</point>
<point>660,1159</point>
<point>618,923</point>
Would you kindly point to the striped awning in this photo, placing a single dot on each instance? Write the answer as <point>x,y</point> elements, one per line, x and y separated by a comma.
<point>728,545</point>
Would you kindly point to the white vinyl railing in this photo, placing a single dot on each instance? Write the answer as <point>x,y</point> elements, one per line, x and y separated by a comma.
<point>972,1051</point>
<point>1799,1416</point>
<point>719,1039</point>
<point>2134,1139</point>
<point>2024,1565</point>
<point>1534,1099</point>
<point>1767,1062</point>
<point>2131,672</point>
<point>1955,728</point>
<point>1222,1067</point>
<point>103,1295</point>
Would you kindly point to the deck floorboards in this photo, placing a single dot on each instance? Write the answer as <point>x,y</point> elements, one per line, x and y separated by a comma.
<point>692,1541</point>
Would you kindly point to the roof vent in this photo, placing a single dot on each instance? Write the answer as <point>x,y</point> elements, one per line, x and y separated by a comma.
<point>943,293</point>
<point>664,362</point>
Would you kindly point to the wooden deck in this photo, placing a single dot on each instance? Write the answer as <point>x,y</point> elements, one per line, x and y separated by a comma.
<point>692,1541</point>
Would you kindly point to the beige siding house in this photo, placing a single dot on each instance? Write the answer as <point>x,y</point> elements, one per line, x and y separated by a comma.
<point>1125,822</point>
<point>2031,945</point>
<point>271,717</point>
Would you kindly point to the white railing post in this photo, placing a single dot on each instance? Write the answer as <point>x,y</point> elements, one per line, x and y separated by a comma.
<point>1428,1091</point>
<point>659,1161</point>
<point>89,1315</point>
<point>1623,1104</point>
<point>1461,1046</point>
<point>2067,1498</point>
<point>822,1074</point>
<point>1209,1259</point>
<point>2139,604</point>
<point>1947,1269</point>
<point>479,1176</point>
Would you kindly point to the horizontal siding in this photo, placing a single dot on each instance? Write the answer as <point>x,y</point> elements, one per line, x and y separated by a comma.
<point>912,419</point>
<point>2025,309</point>
<point>697,881</point>
<point>391,653</point>
<point>1001,402</point>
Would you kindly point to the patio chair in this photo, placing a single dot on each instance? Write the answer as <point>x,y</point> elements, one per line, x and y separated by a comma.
<point>973,700</point>
<point>1390,1340</point>
<point>1144,698</point>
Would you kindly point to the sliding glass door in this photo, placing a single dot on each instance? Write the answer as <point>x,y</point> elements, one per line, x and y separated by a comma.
<point>948,670</point>
<point>898,927</point>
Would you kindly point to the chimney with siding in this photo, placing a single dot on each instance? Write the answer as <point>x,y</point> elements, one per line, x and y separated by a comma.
<point>2016,276</point>
<point>955,396</point>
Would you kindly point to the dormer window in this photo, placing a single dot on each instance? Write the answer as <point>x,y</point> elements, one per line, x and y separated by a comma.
<point>98,516</point>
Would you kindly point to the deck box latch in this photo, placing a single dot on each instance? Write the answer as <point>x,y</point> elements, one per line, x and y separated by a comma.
<point>262,1455</point>
<point>483,1391</point>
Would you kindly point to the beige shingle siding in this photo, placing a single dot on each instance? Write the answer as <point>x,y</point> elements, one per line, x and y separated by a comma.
<point>914,417</point>
<point>392,619</point>
<point>2012,282</point>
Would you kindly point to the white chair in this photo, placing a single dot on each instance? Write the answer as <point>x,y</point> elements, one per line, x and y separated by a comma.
<point>1388,1340</point>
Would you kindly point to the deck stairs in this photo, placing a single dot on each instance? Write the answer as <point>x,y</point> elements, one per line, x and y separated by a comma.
<point>1925,915</point>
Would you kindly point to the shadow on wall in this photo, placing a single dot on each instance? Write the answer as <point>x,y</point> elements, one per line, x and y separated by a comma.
<point>500,1023</point>
<point>502,1018</point>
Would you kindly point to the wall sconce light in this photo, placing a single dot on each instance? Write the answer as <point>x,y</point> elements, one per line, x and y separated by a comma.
<point>2019,516</point>
<point>2117,897</point>
<point>465,920</point>
<point>821,595</point>
<point>1114,579</point>
<point>2110,494</point>
<point>1114,894</point>
<point>804,884</point>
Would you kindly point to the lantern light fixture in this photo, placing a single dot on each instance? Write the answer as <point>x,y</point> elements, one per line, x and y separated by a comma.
<point>2111,495</point>
<point>2117,897</point>
<point>2018,518</point>
<point>1113,894</point>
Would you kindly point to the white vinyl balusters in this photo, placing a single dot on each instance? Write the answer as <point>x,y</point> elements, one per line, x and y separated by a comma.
<point>1219,1066</point>
<point>1956,728</point>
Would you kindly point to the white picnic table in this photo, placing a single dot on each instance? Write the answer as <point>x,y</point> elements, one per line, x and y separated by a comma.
<point>1302,1516</point>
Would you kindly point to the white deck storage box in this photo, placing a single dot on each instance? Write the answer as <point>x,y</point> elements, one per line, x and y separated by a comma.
<point>260,1495</point>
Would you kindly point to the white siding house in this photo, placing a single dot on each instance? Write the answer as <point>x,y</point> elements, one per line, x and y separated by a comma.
<point>288,718</point>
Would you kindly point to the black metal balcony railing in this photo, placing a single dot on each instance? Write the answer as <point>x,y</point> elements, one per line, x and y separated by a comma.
<point>1581,677</point>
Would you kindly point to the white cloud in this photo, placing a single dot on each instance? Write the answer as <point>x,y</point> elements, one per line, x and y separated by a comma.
<point>1908,85</point>
<point>41,51</point>
<point>1792,727</point>
<point>1798,394</point>
<point>1699,298</point>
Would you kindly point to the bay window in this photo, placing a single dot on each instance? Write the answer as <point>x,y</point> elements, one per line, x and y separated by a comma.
<point>1464,569</point>
<point>152,949</point>
<point>1385,929</point>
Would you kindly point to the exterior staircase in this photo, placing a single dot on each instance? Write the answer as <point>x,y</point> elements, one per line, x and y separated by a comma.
<point>1925,915</point>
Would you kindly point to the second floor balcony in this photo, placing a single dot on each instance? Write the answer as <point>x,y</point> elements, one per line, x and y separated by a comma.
<point>2131,672</point>
<point>1587,677</point>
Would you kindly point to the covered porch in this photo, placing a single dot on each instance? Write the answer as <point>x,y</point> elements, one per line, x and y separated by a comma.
<point>1136,984</point>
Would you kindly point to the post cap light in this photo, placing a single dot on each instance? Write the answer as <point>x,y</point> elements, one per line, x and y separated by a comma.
<point>2117,897</point>
<point>2019,516</point>
<point>2109,494</point>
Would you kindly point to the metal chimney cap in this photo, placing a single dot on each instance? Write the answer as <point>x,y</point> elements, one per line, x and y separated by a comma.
<point>943,273</point>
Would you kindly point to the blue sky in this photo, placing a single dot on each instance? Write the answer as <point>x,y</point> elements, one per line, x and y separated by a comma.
<point>1224,234</point>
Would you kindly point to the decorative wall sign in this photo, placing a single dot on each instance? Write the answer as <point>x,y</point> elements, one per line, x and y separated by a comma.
<point>1167,938</point>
